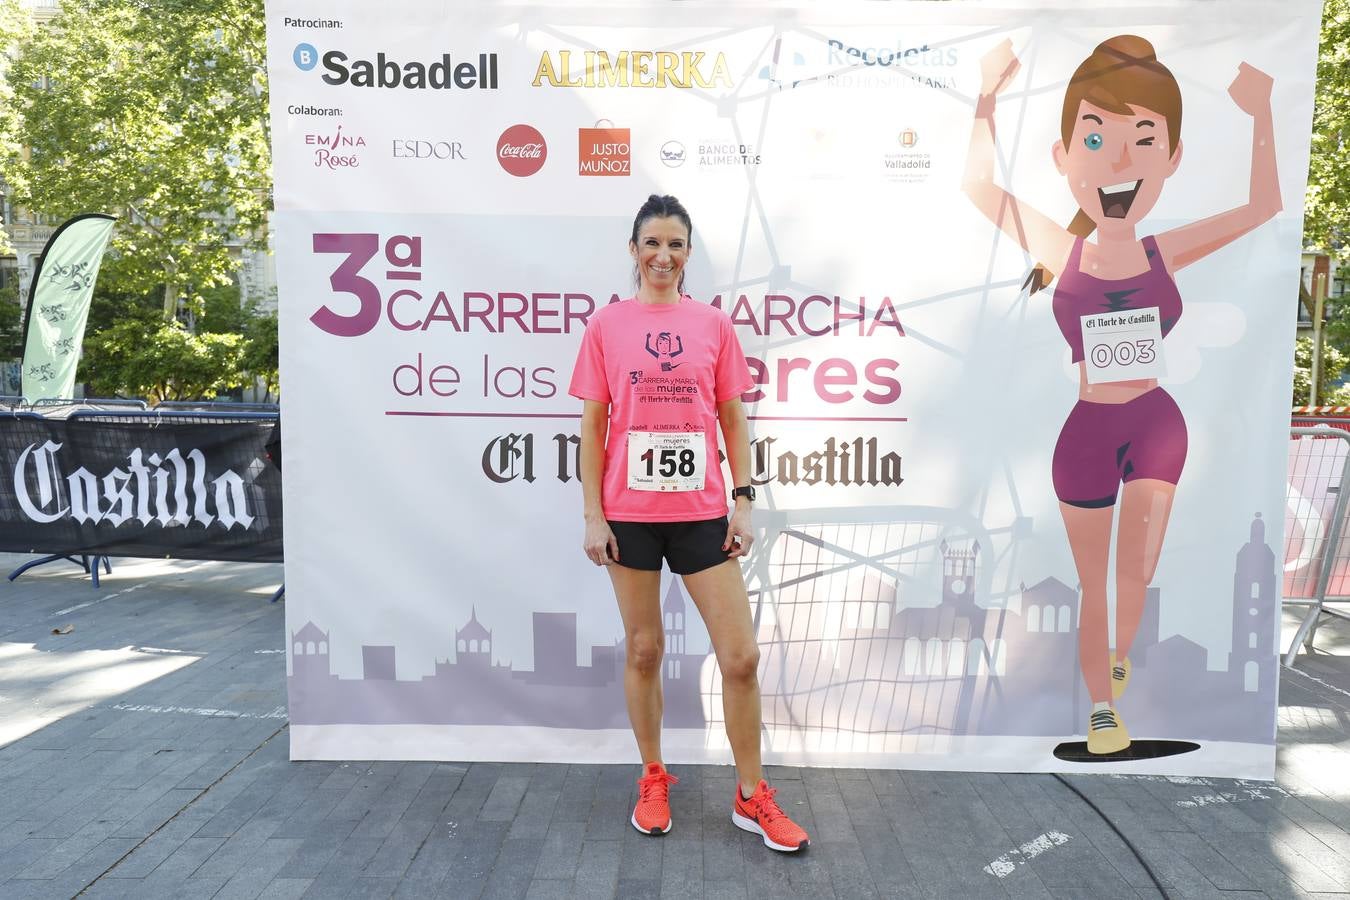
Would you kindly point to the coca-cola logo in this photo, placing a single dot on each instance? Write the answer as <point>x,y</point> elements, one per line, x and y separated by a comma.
<point>521,150</point>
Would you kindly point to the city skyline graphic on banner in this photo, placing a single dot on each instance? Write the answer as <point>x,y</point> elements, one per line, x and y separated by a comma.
<point>955,668</point>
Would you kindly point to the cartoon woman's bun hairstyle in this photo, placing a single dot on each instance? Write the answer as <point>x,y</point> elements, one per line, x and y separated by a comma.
<point>1123,72</point>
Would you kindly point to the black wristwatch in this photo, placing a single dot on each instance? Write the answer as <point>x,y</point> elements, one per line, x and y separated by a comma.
<point>748,492</point>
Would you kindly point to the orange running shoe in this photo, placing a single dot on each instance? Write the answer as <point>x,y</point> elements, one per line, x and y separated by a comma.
<point>763,816</point>
<point>652,813</point>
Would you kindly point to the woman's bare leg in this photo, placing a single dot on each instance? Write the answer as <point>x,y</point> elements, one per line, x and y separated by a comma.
<point>1090,540</point>
<point>720,595</point>
<point>638,593</point>
<point>1144,512</point>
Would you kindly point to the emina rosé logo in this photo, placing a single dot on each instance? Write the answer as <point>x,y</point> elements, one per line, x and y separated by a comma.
<point>521,150</point>
<point>336,150</point>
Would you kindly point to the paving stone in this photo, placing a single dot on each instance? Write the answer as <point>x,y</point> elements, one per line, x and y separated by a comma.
<point>141,804</point>
<point>285,889</point>
<point>513,869</point>
<point>548,890</point>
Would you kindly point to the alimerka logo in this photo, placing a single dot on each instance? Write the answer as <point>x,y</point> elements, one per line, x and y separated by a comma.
<point>632,68</point>
<point>441,74</point>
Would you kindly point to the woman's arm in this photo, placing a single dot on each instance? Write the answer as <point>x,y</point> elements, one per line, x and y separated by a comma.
<point>1182,246</point>
<point>736,438</point>
<point>600,544</point>
<point>1033,230</point>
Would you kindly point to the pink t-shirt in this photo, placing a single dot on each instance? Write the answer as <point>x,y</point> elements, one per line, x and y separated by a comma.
<point>662,368</point>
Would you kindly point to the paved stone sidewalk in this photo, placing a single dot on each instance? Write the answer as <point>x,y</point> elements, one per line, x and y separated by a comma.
<point>163,772</point>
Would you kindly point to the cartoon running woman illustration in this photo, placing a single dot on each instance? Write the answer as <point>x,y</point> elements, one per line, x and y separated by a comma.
<point>663,349</point>
<point>1115,302</point>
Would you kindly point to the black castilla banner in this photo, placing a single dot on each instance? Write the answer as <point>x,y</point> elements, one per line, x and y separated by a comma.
<point>150,488</point>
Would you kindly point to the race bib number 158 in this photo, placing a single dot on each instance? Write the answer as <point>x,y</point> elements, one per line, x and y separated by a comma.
<point>673,461</point>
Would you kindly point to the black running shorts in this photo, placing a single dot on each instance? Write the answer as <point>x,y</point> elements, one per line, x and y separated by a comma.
<point>689,547</point>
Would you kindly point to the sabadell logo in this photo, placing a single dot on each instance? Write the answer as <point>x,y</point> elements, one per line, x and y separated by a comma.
<point>446,73</point>
<point>521,150</point>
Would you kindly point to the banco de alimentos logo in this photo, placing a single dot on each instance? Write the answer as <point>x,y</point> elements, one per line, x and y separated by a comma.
<point>449,71</point>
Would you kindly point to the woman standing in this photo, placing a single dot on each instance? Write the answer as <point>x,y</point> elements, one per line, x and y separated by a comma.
<point>652,487</point>
<point>1120,139</point>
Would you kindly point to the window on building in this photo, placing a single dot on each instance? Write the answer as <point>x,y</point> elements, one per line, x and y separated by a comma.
<point>956,658</point>
<point>911,657</point>
<point>1000,655</point>
<point>323,646</point>
<point>1064,615</point>
<point>934,666</point>
<point>309,648</point>
<point>1033,618</point>
<point>975,662</point>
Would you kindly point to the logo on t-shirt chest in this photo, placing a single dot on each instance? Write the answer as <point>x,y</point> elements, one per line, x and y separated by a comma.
<point>666,370</point>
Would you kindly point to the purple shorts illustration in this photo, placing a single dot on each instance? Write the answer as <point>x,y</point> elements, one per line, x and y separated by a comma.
<point>1104,444</point>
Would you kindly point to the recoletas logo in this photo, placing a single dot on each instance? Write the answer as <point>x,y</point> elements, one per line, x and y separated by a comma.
<point>449,72</point>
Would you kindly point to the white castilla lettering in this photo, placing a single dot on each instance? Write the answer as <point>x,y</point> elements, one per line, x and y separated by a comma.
<point>171,490</point>
<point>44,468</point>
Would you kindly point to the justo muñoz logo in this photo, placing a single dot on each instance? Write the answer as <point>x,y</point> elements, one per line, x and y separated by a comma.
<point>521,150</point>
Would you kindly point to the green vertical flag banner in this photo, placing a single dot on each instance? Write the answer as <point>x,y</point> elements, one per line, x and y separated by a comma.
<point>58,305</point>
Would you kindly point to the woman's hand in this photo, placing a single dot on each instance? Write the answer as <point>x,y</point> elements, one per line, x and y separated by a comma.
<point>997,68</point>
<point>1250,90</point>
<point>601,547</point>
<point>739,534</point>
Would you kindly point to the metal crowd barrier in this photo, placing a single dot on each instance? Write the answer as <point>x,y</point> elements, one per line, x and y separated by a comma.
<point>1316,566</point>
<point>219,405</point>
<point>176,416</point>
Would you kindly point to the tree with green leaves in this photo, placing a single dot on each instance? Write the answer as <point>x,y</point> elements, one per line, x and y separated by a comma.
<point>165,362</point>
<point>1326,223</point>
<point>1334,364</point>
<point>154,111</point>
<point>261,352</point>
<point>15,28</point>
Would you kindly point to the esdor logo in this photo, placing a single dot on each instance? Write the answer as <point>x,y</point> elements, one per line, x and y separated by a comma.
<point>521,150</point>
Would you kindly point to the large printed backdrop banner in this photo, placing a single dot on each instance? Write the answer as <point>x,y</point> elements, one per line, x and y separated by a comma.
<point>455,189</point>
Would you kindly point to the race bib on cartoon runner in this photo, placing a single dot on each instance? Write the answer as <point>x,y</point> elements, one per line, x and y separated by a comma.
<point>666,461</point>
<point>1123,346</point>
